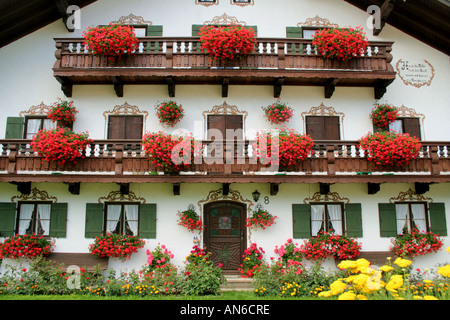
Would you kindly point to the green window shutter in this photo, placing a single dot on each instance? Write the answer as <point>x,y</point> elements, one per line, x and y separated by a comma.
<point>147,221</point>
<point>58,220</point>
<point>388,220</point>
<point>7,219</point>
<point>301,220</point>
<point>353,219</point>
<point>196,29</point>
<point>14,128</point>
<point>255,29</point>
<point>94,220</point>
<point>438,222</point>
<point>154,31</point>
<point>294,32</point>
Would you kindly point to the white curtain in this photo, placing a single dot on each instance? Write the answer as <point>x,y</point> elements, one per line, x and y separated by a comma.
<point>26,212</point>
<point>335,213</point>
<point>44,217</point>
<point>401,212</point>
<point>113,217</point>
<point>418,216</point>
<point>33,126</point>
<point>49,124</point>
<point>131,214</point>
<point>317,212</point>
<point>396,126</point>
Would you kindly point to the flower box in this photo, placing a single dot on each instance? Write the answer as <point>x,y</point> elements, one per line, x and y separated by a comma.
<point>25,246</point>
<point>116,246</point>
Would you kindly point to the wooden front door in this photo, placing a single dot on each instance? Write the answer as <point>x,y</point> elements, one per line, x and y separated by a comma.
<point>225,234</point>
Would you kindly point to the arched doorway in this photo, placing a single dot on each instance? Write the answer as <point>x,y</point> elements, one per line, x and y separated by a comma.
<point>225,233</point>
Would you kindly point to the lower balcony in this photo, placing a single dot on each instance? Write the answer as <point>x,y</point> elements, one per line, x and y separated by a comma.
<point>124,162</point>
<point>173,61</point>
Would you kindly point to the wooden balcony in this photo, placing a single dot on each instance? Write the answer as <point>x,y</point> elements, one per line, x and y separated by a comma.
<point>123,162</point>
<point>173,61</point>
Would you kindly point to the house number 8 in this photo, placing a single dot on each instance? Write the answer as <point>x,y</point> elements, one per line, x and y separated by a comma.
<point>266,200</point>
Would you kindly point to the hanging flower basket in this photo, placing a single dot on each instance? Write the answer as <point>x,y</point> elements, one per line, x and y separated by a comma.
<point>389,148</point>
<point>278,112</point>
<point>383,115</point>
<point>169,113</point>
<point>260,218</point>
<point>341,43</point>
<point>60,145</point>
<point>25,246</point>
<point>113,41</point>
<point>190,220</point>
<point>116,246</point>
<point>415,243</point>
<point>169,153</point>
<point>287,149</point>
<point>63,113</point>
<point>227,43</point>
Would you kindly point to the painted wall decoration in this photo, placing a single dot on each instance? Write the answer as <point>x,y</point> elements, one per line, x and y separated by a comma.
<point>413,73</point>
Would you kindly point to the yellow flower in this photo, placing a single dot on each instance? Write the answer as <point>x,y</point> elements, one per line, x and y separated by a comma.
<point>445,270</point>
<point>347,296</point>
<point>395,282</point>
<point>402,263</point>
<point>430,298</point>
<point>347,264</point>
<point>448,250</point>
<point>362,297</point>
<point>386,268</point>
<point>363,264</point>
<point>324,294</point>
<point>337,287</point>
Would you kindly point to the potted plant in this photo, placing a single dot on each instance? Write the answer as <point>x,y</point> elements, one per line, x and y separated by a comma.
<point>227,43</point>
<point>25,246</point>
<point>115,245</point>
<point>383,115</point>
<point>61,145</point>
<point>326,245</point>
<point>285,148</point>
<point>389,148</point>
<point>63,113</point>
<point>253,259</point>
<point>341,44</point>
<point>169,153</point>
<point>169,113</point>
<point>415,243</point>
<point>190,220</point>
<point>112,41</point>
<point>260,218</point>
<point>278,112</point>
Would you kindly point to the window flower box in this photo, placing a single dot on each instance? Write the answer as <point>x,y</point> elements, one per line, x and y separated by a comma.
<point>116,246</point>
<point>415,243</point>
<point>25,246</point>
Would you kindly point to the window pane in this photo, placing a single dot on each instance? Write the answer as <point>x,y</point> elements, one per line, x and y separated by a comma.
<point>309,34</point>
<point>113,218</point>
<point>140,31</point>
<point>402,215</point>
<point>335,218</point>
<point>396,126</point>
<point>26,219</point>
<point>43,219</point>
<point>33,126</point>
<point>317,219</point>
<point>131,219</point>
<point>418,217</point>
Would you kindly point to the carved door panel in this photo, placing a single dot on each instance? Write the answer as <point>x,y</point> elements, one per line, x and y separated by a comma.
<point>225,234</point>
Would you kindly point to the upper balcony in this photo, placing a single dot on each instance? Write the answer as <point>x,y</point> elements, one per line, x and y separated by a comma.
<point>172,61</point>
<point>124,162</point>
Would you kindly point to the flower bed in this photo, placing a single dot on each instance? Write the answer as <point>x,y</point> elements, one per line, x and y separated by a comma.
<point>287,149</point>
<point>278,112</point>
<point>25,246</point>
<point>116,246</point>
<point>61,145</point>
<point>169,153</point>
<point>390,148</point>
<point>260,219</point>
<point>63,112</point>
<point>253,259</point>
<point>341,43</point>
<point>169,113</point>
<point>416,243</point>
<point>113,41</point>
<point>227,43</point>
<point>330,245</point>
<point>383,115</point>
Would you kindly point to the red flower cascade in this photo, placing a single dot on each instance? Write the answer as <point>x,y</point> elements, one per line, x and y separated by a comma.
<point>383,115</point>
<point>63,112</point>
<point>25,246</point>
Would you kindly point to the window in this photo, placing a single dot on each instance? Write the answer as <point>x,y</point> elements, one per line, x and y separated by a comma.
<point>411,216</point>
<point>309,32</point>
<point>130,218</point>
<point>34,218</point>
<point>122,218</point>
<point>327,218</point>
<point>241,1</point>
<point>310,219</point>
<point>125,127</point>
<point>323,127</point>
<point>406,125</point>
<point>305,32</point>
<point>34,124</point>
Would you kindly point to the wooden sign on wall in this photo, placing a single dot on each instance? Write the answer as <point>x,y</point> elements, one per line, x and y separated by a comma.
<point>416,74</point>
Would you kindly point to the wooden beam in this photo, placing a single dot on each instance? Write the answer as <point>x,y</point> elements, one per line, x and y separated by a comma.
<point>66,86</point>
<point>380,88</point>
<point>421,188</point>
<point>274,188</point>
<point>124,188</point>
<point>74,188</point>
<point>225,189</point>
<point>373,188</point>
<point>324,188</point>
<point>118,86</point>
<point>385,11</point>
<point>277,87</point>
<point>225,83</point>
<point>23,187</point>
<point>330,87</point>
<point>176,188</point>
<point>171,86</point>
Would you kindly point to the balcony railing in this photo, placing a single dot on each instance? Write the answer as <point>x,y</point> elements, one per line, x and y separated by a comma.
<point>124,160</point>
<point>172,61</point>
